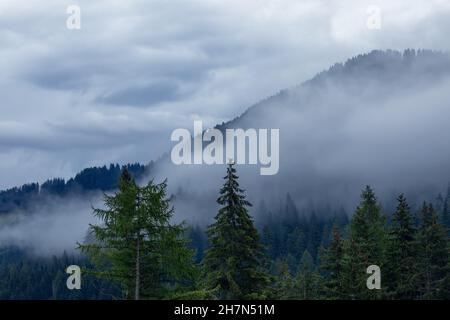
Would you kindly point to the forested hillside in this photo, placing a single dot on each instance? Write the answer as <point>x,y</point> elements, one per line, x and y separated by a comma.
<point>95,178</point>
<point>358,123</point>
<point>304,255</point>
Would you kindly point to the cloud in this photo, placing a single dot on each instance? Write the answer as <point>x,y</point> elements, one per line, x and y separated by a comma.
<point>353,126</point>
<point>50,229</point>
<point>143,95</point>
<point>138,69</point>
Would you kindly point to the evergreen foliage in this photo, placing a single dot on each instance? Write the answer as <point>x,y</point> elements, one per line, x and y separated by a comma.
<point>401,275</point>
<point>309,254</point>
<point>137,246</point>
<point>233,262</point>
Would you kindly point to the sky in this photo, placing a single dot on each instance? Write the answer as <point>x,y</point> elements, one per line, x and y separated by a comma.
<point>113,90</point>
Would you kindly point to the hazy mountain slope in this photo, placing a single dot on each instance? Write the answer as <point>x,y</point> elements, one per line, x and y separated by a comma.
<point>93,179</point>
<point>380,118</point>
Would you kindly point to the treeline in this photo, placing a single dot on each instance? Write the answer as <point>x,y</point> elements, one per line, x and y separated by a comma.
<point>326,256</point>
<point>137,253</point>
<point>25,277</point>
<point>412,252</point>
<point>95,178</point>
<point>383,64</point>
<point>295,258</point>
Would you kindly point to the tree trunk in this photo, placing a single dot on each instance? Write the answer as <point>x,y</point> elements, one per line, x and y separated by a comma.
<point>138,273</point>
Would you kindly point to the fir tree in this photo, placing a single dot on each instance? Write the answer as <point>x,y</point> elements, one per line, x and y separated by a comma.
<point>365,246</point>
<point>233,263</point>
<point>401,272</point>
<point>332,266</point>
<point>137,246</point>
<point>308,281</point>
<point>314,235</point>
<point>284,286</point>
<point>433,256</point>
<point>445,217</point>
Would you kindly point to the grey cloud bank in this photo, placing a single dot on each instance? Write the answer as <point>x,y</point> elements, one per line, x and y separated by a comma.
<point>138,69</point>
<point>52,228</point>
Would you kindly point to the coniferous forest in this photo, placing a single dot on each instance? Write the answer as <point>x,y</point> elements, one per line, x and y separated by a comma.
<point>225,159</point>
<point>137,252</point>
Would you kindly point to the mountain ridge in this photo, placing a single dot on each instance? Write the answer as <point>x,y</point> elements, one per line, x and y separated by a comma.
<point>385,64</point>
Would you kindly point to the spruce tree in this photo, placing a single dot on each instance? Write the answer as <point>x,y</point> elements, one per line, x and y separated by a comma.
<point>433,256</point>
<point>445,216</point>
<point>308,280</point>
<point>136,246</point>
<point>233,263</point>
<point>365,246</point>
<point>284,286</point>
<point>401,271</point>
<point>332,266</point>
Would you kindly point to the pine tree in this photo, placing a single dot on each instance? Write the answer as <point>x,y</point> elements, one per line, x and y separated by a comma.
<point>137,246</point>
<point>401,272</point>
<point>332,266</point>
<point>433,256</point>
<point>233,263</point>
<point>365,246</point>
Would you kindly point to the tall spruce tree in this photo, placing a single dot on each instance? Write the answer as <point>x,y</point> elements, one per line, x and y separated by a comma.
<point>365,246</point>
<point>433,256</point>
<point>332,266</point>
<point>136,245</point>
<point>401,268</point>
<point>233,263</point>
